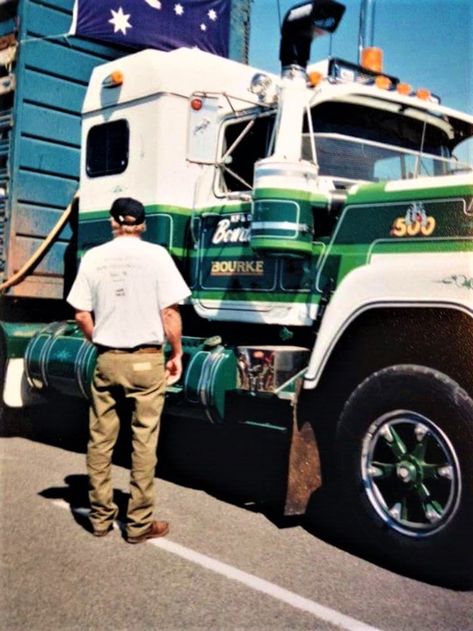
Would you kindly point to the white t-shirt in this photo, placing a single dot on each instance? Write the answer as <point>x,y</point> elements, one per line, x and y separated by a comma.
<point>126,283</point>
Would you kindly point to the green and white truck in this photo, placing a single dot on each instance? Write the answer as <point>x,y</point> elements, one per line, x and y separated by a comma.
<point>326,230</point>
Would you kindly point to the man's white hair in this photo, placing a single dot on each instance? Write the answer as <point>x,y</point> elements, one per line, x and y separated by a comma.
<point>122,229</point>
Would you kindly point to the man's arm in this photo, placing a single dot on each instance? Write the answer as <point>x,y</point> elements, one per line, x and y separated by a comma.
<point>86,323</point>
<point>172,325</point>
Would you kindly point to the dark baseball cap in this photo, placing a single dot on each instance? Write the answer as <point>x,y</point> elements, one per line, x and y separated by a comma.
<point>128,211</point>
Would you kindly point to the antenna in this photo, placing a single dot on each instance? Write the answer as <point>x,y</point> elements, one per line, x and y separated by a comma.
<point>366,26</point>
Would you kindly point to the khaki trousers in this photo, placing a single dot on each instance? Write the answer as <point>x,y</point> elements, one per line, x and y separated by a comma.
<point>140,377</point>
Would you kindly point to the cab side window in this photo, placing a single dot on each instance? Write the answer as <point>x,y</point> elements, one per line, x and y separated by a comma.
<point>108,147</point>
<point>244,143</point>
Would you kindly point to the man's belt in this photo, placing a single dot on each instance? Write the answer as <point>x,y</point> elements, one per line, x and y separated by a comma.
<point>142,348</point>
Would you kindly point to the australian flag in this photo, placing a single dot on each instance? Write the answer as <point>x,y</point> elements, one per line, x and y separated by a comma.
<point>161,24</point>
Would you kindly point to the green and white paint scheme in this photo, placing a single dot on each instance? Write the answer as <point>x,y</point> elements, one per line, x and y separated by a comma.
<point>326,230</point>
<point>266,251</point>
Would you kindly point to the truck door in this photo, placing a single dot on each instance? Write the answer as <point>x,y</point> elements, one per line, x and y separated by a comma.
<point>230,277</point>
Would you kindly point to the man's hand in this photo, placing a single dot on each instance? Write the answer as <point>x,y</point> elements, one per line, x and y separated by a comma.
<point>173,370</point>
<point>85,321</point>
<point>173,330</point>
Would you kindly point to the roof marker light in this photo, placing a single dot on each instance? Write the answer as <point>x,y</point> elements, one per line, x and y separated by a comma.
<point>404,88</point>
<point>113,80</point>
<point>383,82</point>
<point>424,94</point>
<point>372,58</point>
<point>315,78</point>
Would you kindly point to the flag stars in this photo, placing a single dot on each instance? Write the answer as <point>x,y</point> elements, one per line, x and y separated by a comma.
<point>160,24</point>
<point>120,21</point>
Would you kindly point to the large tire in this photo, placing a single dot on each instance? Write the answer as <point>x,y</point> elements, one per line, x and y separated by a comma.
<point>405,457</point>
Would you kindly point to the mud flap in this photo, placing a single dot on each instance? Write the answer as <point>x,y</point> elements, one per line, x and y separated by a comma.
<point>304,474</point>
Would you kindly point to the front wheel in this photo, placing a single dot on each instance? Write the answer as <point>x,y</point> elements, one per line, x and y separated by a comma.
<point>405,447</point>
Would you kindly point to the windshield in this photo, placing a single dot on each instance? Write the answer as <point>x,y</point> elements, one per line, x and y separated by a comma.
<point>354,142</point>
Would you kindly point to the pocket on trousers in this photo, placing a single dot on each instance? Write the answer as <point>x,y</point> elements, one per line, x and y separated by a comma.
<point>142,366</point>
<point>146,372</point>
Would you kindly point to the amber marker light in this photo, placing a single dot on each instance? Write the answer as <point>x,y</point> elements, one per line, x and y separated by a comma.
<point>424,94</point>
<point>113,80</point>
<point>372,58</point>
<point>315,78</point>
<point>383,82</point>
<point>196,104</point>
<point>404,88</point>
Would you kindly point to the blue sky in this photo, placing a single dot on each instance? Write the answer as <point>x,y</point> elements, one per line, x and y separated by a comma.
<point>427,43</point>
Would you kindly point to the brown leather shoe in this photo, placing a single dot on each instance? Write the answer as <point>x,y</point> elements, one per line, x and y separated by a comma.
<point>157,529</point>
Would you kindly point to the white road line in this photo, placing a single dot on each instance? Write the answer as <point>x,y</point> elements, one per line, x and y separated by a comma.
<point>265,587</point>
<point>64,504</point>
<point>254,582</point>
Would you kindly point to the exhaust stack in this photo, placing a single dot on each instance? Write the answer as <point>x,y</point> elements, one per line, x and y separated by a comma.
<point>280,227</point>
<point>303,23</point>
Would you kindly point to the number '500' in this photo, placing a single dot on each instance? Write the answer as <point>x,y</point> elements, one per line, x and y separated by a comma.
<point>401,228</point>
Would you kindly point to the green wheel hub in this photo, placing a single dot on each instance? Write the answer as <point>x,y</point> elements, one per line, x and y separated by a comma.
<point>410,473</point>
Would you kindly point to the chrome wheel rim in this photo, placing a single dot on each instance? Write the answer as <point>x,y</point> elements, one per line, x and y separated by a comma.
<point>411,474</point>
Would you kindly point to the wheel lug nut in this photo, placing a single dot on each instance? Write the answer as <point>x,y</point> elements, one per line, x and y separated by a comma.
<point>403,474</point>
<point>446,472</point>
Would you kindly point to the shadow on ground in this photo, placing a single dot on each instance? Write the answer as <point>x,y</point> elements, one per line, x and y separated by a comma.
<point>75,494</point>
<point>244,466</point>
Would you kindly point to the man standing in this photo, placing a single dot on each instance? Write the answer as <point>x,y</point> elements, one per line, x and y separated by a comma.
<point>126,297</point>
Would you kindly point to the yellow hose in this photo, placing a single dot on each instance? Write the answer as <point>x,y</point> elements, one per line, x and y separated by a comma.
<point>25,270</point>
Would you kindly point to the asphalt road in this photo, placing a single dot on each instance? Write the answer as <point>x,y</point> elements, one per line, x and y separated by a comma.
<point>228,563</point>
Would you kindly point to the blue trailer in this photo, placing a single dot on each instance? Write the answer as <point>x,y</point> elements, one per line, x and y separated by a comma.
<point>44,73</point>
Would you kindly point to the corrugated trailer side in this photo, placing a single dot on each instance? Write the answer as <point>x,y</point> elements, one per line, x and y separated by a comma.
<point>8,43</point>
<point>51,71</point>
<point>40,132</point>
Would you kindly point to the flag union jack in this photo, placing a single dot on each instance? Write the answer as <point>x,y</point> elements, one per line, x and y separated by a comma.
<point>161,24</point>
